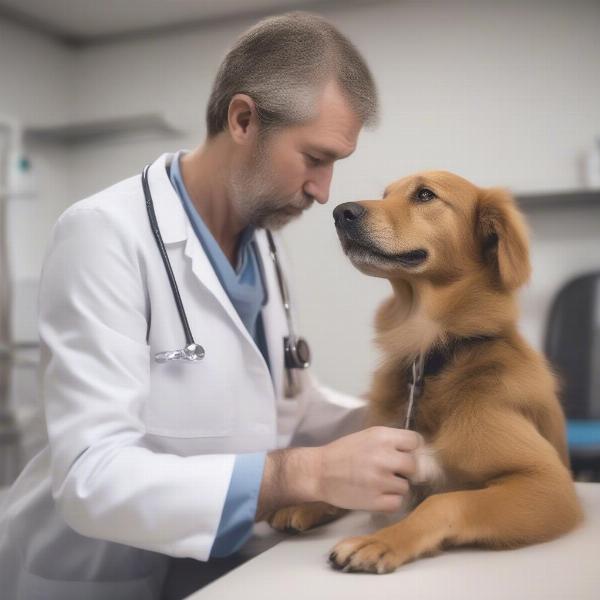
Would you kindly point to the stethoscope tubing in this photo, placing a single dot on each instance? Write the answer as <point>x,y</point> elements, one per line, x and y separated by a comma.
<point>165,258</point>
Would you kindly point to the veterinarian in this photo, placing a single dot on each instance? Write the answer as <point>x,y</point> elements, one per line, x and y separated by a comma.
<point>169,425</point>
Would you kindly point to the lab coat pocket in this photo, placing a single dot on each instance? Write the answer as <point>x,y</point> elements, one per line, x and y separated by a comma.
<point>191,399</point>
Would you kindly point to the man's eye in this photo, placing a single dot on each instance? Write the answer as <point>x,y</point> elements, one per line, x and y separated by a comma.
<point>313,160</point>
<point>425,195</point>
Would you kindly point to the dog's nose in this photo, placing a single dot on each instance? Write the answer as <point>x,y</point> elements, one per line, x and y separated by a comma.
<point>347,214</point>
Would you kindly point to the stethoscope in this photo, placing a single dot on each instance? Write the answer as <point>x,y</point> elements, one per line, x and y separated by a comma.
<point>296,349</point>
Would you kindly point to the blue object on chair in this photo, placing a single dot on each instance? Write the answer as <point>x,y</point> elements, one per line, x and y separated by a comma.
<point>572,346</point>
<point>583,434</point>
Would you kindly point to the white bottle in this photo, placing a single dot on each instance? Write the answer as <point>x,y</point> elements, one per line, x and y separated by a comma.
<point>591,167</point>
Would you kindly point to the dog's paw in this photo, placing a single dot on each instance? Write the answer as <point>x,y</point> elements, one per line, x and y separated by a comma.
<point>365,554</point>
<point>304,516</point>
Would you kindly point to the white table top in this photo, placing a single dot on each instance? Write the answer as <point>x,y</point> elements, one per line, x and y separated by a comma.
<point>296,568</point>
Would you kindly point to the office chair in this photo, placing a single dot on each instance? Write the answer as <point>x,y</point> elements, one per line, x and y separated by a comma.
<point>572,346</point>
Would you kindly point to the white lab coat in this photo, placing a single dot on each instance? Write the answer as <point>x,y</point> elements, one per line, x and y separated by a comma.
<point>140,454</point>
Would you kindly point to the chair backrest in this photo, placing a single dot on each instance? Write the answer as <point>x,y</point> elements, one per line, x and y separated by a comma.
<point>572,345</point>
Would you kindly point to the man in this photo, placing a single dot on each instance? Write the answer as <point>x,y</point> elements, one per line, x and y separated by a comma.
<point>149,460</point>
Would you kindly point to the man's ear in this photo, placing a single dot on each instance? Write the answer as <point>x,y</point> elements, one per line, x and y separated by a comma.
<point>242,118</point>
<point>503,235</point>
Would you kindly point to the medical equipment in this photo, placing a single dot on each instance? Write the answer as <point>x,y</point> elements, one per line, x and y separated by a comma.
<point>415,388</point>
<point>296,349</point>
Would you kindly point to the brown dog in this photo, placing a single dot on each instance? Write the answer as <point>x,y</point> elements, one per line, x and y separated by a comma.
<point>494,471</point>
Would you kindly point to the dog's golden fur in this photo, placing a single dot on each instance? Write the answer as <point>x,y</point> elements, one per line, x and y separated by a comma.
<point>495,469</point>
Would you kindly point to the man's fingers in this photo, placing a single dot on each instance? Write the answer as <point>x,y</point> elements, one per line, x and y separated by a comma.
<point>404,465</point>
<point>396,485</point>
<point>407,440</point>
<point>389,503</point>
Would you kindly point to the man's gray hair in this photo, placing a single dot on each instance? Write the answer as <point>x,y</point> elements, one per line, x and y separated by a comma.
<point>281,63</point>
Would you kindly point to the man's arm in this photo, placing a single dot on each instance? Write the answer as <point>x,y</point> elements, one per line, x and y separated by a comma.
<point>367,470</point>
<point>290,476</point>
<point>107,482</point>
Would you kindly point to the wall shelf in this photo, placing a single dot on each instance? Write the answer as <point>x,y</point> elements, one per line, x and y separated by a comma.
<point>567,200</point>
<point>95,130</point>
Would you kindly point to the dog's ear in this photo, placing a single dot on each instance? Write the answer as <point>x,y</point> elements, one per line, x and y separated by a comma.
<point>503,235</point>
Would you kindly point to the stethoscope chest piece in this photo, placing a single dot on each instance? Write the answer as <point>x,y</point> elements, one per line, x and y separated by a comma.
<point>297,353</point>
<point>192,353</point>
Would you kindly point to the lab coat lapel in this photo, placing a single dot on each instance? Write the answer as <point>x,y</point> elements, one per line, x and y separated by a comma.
<point>170,215</point>
<point>203,269</point>
<point>273,314</point>
<point>176,227</point>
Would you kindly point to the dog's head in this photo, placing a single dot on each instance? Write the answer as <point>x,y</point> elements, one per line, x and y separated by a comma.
<point>438,227</point>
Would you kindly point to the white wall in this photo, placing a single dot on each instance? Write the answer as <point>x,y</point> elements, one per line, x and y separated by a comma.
<point>36,78</point>
<point>503,93</point>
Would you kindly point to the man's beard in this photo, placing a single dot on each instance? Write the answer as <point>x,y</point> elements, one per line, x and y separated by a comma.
<point>270,211</point>
<point>256,199</point>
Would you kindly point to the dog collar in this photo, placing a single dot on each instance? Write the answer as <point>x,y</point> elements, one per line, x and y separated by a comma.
<point>431,364</point>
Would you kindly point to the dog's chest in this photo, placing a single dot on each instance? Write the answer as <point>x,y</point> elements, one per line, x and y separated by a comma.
<point>425,413</point>
<point>426,419</point>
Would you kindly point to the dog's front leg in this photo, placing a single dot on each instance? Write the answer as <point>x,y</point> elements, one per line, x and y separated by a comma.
<point>304,516</point>
<point>512,511</point>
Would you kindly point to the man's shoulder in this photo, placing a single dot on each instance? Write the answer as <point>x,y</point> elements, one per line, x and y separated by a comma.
<point>120,201</point>
<point>115,212</point>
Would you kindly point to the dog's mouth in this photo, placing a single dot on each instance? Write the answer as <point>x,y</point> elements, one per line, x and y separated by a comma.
<point>359,251</point>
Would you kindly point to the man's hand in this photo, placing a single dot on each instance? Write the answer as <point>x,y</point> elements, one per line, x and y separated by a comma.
<point>367,470</point>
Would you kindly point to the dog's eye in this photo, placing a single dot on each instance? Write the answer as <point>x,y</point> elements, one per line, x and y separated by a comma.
<point>425,195</point>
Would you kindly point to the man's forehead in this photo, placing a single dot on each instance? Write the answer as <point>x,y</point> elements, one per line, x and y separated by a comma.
<point>332,153</point>
<point>336,126</point>
<point>329,140</point>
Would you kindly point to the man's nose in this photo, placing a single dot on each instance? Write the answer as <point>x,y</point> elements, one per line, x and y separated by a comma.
<point>321,195</point>
<point>319,186</point>
<point>348,214</point>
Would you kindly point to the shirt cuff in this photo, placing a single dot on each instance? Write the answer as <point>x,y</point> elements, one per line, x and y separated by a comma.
<point>239,510</point>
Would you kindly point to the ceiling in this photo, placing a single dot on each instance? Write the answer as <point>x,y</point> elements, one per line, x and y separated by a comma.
<point>86,21</point>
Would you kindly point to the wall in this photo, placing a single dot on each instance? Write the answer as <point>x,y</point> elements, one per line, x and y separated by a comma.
<point>503,93</point>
